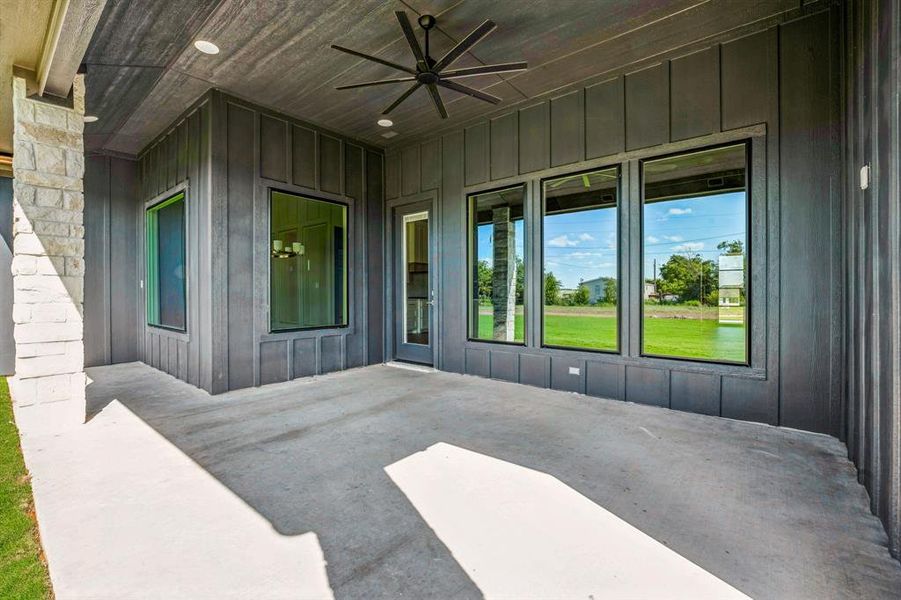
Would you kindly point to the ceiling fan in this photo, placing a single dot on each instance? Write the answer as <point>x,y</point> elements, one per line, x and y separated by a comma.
<point>433,73</point>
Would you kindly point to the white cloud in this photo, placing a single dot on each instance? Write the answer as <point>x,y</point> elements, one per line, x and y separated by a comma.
<point>584,254</point>
<point>653,240</point>
<point>679,211</point>
<point>689,247</point>
<point>563,241</point>
<point>673,238</point>
<point>586,237</point>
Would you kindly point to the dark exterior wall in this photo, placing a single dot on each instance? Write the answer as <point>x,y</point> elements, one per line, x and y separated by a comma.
<point>111,193</point>
<point>256,150</point>
<point>778,87</point>
<point>7,343</point>
<point>873,226</point>
<point>181,159</point>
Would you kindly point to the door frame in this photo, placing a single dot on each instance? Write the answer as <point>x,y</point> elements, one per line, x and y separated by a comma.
<point>414,203</point>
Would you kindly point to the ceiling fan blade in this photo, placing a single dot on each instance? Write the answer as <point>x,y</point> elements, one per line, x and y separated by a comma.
<point>465,44</point>
<point>411,38</point>
<point>402,97</point>
<point>375,59</point>
<point>485,70</point>
<point>464,89</point>
<point>351,86</point>
<point>436,98</point>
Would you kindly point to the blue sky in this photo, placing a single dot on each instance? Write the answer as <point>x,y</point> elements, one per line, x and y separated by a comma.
<point>582,246</point>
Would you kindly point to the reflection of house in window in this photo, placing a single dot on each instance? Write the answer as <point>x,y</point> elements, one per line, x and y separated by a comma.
<point>731,287</point>
<point>597,289</point>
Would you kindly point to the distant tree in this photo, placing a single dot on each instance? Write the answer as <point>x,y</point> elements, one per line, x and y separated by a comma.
<point>484,279</point>
<point>520,281</point>
<point>610,291</point>
<point>551,289</point>
<point>581,295</point>
<point>731,247</point>
<point>688,277</point>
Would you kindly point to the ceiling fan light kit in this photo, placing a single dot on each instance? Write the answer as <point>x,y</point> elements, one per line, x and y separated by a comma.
<point>433,74</point>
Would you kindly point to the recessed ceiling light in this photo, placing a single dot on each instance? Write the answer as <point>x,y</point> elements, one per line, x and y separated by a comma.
<point>89,118</point>
<point>206,47</point>
<point>385,122</point>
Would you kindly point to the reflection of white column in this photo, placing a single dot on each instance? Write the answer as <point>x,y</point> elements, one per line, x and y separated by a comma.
<point>520,533</point>
<point>503,279</point>
<point>48,257</point>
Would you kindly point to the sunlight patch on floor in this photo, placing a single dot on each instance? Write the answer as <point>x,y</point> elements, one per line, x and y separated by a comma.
<point>125,514</point>
<point>520,533</point>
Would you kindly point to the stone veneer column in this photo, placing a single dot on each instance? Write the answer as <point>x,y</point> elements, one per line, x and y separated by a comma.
<point>48,258</point>
<point>503,279</point>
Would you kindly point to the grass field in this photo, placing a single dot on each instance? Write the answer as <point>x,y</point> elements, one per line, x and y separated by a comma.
<point>686,337</point>
<point>23,575</point>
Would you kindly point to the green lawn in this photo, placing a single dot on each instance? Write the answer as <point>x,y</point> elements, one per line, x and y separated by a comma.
<point>23,575</point>
<point>688,338</point>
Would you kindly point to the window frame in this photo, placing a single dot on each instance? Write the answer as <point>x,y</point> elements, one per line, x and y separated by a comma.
<point>618,351</point>
<point>748,143</point>
<point>169,197</point>
<point>347,261</point>
<point>470,240</point>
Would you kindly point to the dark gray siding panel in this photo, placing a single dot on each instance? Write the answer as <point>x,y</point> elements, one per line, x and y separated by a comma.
<point>695,392</point>
<point>329,164</point>
<point>303,156</point>
<point>272,148</point>
<point>534,138</point>
<point>535,369</point>
<point>563,379</point>
<point>505,366</point>
<point>647,107</point>
<point>476,154</point>
<point>605,132</point>
<point>453,305</point>
<point>478,362</point>
<point>430,169</point>
<point>504,146</point>
<point>305,363</point>
<point>240,246</point>
<point>807,137</point>
<point>392,176</point>
<point>112,208</point>
<point>750,400</point>
<point>695,97</point>
<point>273,362</point>
<point>331,356</point>
<point>605,380</point>
<point>567,129</point>
<point>748,79</point>
<point>409,171</point>
<point>375,268</point>
<point>647,386</point>
<point>7,345</point>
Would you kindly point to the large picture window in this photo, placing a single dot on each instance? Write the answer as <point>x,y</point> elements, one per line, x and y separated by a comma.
<point>496,264</point>
<point>581,282</point>
<point>695,255</point>
<point>165,263</point>
<point>308,263</point>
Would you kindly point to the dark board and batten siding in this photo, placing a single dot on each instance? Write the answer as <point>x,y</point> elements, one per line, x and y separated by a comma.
<point>111,214</point>
<point>180,159</point>
<point>262,151</point>
<point>872,222</point>
<point>730,90</point>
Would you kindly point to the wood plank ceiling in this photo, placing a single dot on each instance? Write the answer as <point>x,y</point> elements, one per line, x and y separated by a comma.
<point>143,71</point>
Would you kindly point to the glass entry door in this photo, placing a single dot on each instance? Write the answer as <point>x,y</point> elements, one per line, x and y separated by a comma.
<point>414,291</point>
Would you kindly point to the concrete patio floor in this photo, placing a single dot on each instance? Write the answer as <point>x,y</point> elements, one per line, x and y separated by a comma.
<point>390,483</point>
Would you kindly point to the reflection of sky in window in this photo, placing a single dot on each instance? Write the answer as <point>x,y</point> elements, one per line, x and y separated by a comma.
<point>580,245</point>
<point>692,226</point>
<point>486,245</point>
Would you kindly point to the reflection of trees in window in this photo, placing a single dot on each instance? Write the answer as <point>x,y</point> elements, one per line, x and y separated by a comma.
<point>166,304</point>
<point>694,222</point>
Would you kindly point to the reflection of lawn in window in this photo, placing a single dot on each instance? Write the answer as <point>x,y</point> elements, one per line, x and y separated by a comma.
<point>665,334</point>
